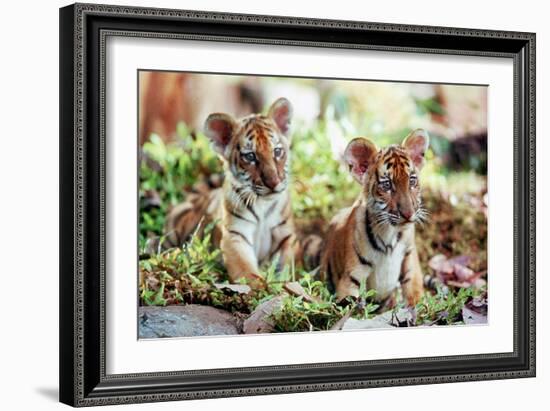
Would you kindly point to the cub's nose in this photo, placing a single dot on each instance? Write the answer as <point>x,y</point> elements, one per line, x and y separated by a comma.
<point>272,182</point>
<point>407,214</point>
<point>279,187</point>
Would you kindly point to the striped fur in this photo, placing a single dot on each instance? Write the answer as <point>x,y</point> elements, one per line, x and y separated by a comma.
<point>253,206</point>
<point>374,239</point>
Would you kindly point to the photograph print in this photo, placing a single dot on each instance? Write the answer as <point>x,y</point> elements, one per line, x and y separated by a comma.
<point>282,204</point>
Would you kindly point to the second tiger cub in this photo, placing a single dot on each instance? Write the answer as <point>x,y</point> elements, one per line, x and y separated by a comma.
<point>374,239</point>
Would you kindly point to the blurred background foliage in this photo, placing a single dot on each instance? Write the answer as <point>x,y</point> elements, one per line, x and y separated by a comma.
<point>176,158</point>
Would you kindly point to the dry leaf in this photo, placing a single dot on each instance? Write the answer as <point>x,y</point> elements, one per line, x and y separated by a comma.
<point>454,271</point>
<point>234,288</point>
<point>475,310</point>
<point>340,323</point>
<point>295,289</point>
<point>404,317</point>
<point>259,321</point>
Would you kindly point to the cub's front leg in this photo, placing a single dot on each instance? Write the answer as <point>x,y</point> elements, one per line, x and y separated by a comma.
<point>283,244</point>
<point>411,279</point>
<point>239,256</point>
<point>349,284</point>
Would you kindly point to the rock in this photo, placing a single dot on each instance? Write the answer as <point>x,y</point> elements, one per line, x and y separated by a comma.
<point>404,317</point>
<point>380,321</point>
<point>259,321</point>
<point>185,321</point>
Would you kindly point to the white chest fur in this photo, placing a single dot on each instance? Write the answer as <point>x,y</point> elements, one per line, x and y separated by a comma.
<point>386,269</point>
<point>262,234</point>
<point>261,217</point>
<point>386,259</point>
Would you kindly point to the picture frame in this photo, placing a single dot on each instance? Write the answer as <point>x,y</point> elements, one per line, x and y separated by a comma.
<point>84,29</point>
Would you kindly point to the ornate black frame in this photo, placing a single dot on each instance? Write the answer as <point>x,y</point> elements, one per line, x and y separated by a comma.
<point>83,30</point>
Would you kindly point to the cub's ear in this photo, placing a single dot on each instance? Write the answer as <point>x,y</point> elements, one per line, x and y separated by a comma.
<point>416,144</point>
<point>359,155</point>
<point>219,129</point>
<point>281,113</point>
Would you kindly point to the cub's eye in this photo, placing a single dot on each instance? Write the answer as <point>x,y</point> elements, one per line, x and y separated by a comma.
<point>278,152</point>
<point>385,185</point>
<point>413,180</point>
<point>250,157</point>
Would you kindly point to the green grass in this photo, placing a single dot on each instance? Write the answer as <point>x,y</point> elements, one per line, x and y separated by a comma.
<point>321,185</point>
<point>444,308</point>
<point>167,171</point>
<point>189,275</point>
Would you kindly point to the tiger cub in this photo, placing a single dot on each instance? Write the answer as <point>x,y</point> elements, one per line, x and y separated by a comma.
<point>374,239</point>
<point>253,206</point>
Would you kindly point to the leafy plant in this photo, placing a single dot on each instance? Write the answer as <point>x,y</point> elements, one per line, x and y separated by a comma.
<point>444,307</point>
<point>193,275</point>
<point>167,171</point>
<point>321,185</point>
